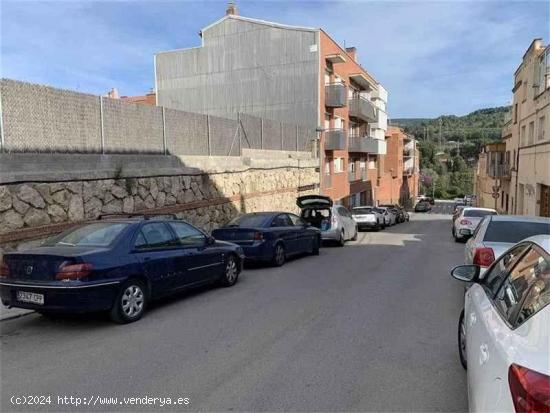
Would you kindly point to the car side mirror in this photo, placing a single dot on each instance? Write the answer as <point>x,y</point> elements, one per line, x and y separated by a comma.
<point>466,273</point>
<point>210,240</point>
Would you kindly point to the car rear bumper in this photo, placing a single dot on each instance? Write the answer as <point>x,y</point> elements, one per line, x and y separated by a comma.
<point>86,297</point>
<point>331,234</point>
<point>258,251</point>
<point>366,224</point>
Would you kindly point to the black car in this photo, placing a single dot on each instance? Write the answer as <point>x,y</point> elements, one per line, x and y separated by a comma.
<point>271,236</point>
<point>117,265</point>
<point>422,206</point>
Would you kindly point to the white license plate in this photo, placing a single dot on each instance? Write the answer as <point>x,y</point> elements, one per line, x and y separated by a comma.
<point>26,297</point>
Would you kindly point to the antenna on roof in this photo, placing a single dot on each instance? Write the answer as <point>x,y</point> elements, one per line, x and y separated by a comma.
<point>231,9</point>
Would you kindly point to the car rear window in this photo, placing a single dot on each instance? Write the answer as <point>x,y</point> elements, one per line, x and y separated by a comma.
<point>250,221</point>
<point>100,234</point>
<point>478,213</point>
<point>513,232</point>
<point>359,211</point>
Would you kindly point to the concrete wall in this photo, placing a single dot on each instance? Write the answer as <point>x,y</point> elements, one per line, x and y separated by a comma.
<point>207,191</point>
<point>265,70</point>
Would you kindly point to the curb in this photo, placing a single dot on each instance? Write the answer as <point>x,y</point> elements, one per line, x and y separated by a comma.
<point>6,317</point>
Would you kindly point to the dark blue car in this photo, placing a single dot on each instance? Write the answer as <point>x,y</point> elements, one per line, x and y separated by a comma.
<point>117,265</point>
<point>271,236</point>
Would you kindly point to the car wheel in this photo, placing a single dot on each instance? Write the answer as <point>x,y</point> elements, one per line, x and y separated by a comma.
<point>279,255</point>
<point>231,272</point>
<point>316,245</point>
<point>130,303</point>
<point>462,340</point>
<point>342,240</point>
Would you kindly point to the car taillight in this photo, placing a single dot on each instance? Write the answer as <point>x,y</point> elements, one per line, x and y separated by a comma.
<point>530,390</point>
<point>4,269</point>
<point>258,236</point>
<point>73,271</point>
<point>465,222</point>
<point>484,256</point>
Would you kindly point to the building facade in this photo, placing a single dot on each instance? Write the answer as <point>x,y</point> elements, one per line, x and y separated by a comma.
<point>399,182</point>
<point>522,168</point>
<point>492,176</point>
<point>291,74</point>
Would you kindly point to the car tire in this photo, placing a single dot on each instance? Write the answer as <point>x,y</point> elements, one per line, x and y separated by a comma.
<point>462,341</point>
<point>342,240</point>
<point>316,246</point>
<point>130,302</point>
<point>279,255</point>
<point>230,272</point>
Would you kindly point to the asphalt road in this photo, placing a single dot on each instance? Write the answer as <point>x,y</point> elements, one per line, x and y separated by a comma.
<point>367,327</point>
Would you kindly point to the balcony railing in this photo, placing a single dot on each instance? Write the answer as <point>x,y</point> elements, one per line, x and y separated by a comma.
<point>352,176</point>
<point>362,109</point>
<point>335,139</point>
<point>499,170</point>
<point>336,95</point>
<point>366,144</point>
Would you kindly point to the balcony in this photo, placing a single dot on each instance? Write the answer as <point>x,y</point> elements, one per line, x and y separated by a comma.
<point>336,95</point>
<point>381,120</point>
<point>335,140</point>
<point>366,144</point>
<point>352,176</point>
<point>498,171</point>
<point>362,109</point>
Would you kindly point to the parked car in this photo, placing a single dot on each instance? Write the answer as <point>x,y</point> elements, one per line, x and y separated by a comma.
<point>390,218</point>
<point>397,210</point>
<point>504,330</point>
<point>334,221</point>
<point>496,233</point>
<point>469,200</point>
<point>467,220</point>
<point>271,236</point>
<point>117,265</point>
<point>422,206</point>
<point>368,217</point>
<point>457,209</point>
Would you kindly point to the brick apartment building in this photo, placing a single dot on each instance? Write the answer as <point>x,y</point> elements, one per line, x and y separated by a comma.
<point>400,181</point>
<point>296,75</point>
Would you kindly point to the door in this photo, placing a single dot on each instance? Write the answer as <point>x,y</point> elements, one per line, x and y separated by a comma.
<point>155,248</point>
<point>486,329</point>
<point>544,201</point>
<point>282,228</point>
<point>201,259</point>
<point>304,235</point>
<point>347,221</point>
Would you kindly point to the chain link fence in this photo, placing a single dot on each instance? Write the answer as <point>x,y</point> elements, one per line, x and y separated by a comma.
<point>36,118</point>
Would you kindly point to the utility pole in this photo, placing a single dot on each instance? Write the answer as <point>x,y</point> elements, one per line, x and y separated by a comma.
<point>440,138</point>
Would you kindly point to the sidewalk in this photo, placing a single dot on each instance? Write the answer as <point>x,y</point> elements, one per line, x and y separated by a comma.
<point>9,313</point>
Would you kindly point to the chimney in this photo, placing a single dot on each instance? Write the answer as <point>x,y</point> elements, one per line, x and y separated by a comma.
<point>231,9</point>
<point>113,93</point>
<point>352,51</point>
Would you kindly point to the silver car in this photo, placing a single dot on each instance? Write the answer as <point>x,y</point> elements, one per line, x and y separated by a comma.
<point>496,233</point>
<point>467,221</point>
<point>389,217</point>
<point>334,221</point>
<point>368,217</point>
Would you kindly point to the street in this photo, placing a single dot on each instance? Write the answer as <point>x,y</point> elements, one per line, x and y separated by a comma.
<point>368,327</point>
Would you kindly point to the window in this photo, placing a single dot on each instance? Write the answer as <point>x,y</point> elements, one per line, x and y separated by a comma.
<point>91,235</point>
<point>343,212</point>
<point>157,235</point>
<point>541,128</point>
<point>281,220</point>
<point>338,165</point>
<point>514,231</point>
<point>501,268</point>
<point>525,291</point>
<point>516,113</point>
<point>296,220</point>
<point>188,235</point>
<point>477,213</point>
<point>531,133</point>
<point>522,136</point>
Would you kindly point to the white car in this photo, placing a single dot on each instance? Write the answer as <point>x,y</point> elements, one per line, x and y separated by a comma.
<point>368,217</point>
<point>467,220</point>
<point>504,330</point>
<point>389,217</point>
<point>496,233</point>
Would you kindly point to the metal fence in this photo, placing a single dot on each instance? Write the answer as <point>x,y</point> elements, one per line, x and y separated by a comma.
<point>36,118</point>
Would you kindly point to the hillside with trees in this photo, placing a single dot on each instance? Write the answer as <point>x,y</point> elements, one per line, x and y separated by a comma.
<point>449,146</point>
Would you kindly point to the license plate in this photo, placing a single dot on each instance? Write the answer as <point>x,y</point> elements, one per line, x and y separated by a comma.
<point>26,297</point>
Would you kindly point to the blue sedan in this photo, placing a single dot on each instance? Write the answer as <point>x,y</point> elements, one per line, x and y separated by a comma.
<point>271,236</point>
<point>117,265</point>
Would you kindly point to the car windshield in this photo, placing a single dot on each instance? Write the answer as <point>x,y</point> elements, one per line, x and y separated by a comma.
<point>478,213</point>
<point>100,234</point>
<point>359,211</point>
<point>250,220</point>
<point>514,231</point>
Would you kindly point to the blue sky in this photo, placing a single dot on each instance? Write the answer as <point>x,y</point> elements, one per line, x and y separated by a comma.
<point>438,57</point>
